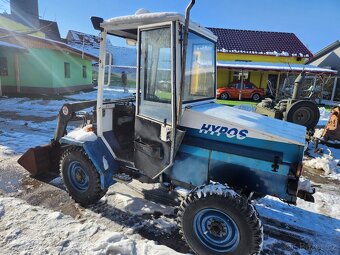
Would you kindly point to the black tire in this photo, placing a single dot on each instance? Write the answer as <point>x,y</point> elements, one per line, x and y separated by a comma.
<point>256,97</point>
<point>305,113</point>
<point>224,96</point>
<point>240,226</point>
<point>81,179</point>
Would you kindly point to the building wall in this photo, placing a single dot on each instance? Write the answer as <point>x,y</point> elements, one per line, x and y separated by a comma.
<point>225,76</point>
<point>36,68</point>
<point>42,71</point>
<point>17,27</point>
<point>331,59</point>
<point>259,58</point>
<point>10,78</point>
<point>76,70</point>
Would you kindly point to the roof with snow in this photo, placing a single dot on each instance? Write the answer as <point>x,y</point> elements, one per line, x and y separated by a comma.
<point>80,37</point>
<point>267,66</point>
<point>11,45</point>
<point>259,43</point>
<point>28,41</point>
<point>126,26</point>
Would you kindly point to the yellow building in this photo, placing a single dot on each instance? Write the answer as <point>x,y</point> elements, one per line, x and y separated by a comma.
<point>259,57</point>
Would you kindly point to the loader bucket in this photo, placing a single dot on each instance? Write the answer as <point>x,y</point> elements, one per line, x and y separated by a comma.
<point>41,160</point>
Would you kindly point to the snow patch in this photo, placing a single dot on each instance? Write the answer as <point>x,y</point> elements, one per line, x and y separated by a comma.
<point>29,229</point>
<point>5,151</point>
<point>182,191</point>
<point>305,185</point>
<point>82,135</point>
<point>328,160</point>
<point>55,216</point>
<point>324,117</point>
<point>214,188</point>
<point>326,163</point>
<point>137,206</point>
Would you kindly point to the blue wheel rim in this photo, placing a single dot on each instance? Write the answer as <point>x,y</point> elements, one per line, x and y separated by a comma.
<point>78,176</point>
<point>216,230</point>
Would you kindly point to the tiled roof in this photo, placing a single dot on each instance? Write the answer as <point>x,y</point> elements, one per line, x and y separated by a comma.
<point>259,42</point>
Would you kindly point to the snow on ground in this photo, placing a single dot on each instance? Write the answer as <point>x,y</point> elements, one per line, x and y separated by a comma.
<point>321,218</point>
<point>27,229</point>
<point>327,159</point>
<point>29,122</point>
<point>324,116</point>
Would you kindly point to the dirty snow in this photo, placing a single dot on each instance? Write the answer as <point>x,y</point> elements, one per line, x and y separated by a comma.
<point>305,184</point>
<point>32,229</point>
<point>321,218</point>
<point>324,117</point>
<point>328,158</point>
<point>138,206</point>
<point>36,230</point>
<point>214,188</point>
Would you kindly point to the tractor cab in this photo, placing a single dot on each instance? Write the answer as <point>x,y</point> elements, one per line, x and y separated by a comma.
<point>145,133</point>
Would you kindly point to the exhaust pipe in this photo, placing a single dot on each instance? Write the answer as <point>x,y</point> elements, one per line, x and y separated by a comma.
<point>297,85</point>
<point>184,55</point>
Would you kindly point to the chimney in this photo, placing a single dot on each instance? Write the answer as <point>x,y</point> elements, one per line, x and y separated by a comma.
<point>26,12</point>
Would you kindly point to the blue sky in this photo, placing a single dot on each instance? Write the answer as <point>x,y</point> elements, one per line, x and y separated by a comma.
<point>315,22</point>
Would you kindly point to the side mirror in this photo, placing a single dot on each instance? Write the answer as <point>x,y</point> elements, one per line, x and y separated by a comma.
<point>96,21</point>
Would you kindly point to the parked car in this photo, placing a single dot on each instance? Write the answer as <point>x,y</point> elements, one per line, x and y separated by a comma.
<point>249,91</point>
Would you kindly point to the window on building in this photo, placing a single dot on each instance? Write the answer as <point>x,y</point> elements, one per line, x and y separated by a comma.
<point>84,72</point>
<point>3,66</point>
<point>67,70</point>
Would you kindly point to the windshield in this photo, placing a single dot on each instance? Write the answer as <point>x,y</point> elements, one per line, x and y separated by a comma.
<point>200,69</point>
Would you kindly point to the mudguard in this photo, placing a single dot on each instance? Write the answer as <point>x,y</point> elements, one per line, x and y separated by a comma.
<point>101,158</point>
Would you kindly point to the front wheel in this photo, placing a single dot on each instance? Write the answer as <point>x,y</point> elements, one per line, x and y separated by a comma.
<point>256,97</point>
<point>80,177</point>
<point>216,220</point>
<point>224,96</point>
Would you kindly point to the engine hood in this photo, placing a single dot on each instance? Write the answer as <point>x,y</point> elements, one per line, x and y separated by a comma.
<point>212,118</point>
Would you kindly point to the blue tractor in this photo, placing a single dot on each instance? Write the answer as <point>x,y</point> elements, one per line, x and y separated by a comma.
<point>172,131</point>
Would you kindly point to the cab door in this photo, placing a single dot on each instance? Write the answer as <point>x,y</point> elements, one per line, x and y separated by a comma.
<point>156,107</point>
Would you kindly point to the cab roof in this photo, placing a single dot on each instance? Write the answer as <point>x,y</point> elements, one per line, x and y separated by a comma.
<point>127,26</point>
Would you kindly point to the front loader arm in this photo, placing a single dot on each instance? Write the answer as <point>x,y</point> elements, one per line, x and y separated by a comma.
<point>68,113</point>
<point>43,160</point>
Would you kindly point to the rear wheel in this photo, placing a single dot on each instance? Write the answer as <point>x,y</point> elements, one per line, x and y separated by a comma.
<point>224,96</point>
<point>216,220</point>
<point>256,97</point>
<point>80,177</point>
<point>305,113</point>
